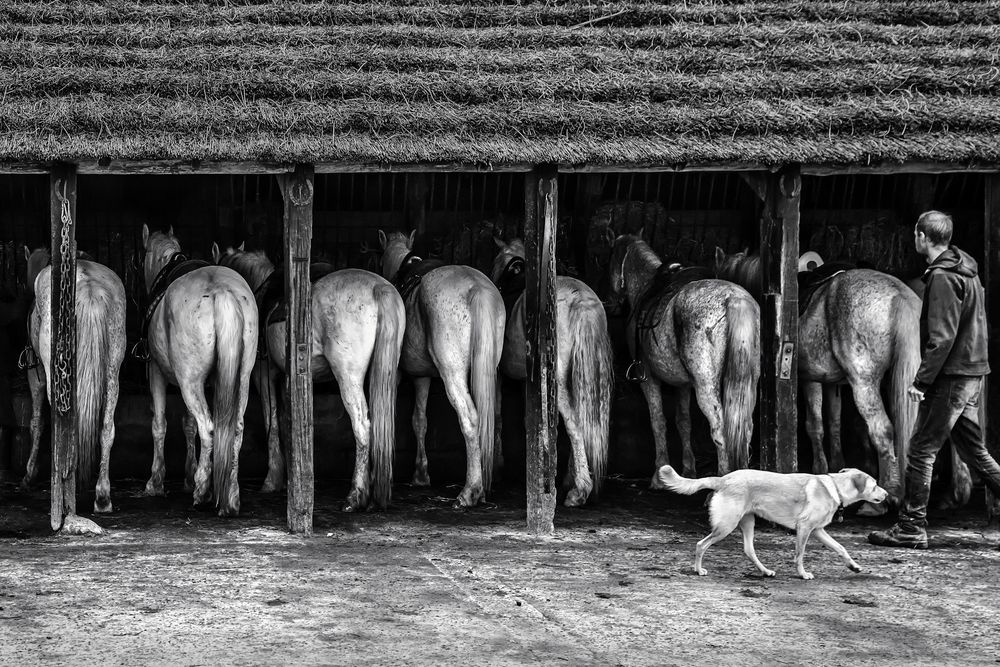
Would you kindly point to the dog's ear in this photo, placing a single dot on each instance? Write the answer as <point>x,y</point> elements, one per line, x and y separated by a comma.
<point>860,480</point>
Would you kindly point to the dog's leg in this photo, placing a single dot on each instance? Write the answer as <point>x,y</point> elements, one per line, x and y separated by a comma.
<point>801,537</point>
<point>746,525</point>
<point>837,547</point>
<point>719,531</point>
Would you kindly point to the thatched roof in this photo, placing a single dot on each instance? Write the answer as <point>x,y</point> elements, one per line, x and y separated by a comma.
<point>502,82</point>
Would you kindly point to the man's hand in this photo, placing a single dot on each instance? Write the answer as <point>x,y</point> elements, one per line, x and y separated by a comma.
<point>915,394</point>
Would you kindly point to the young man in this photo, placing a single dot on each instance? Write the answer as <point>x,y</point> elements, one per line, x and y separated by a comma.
<point>954,360</point>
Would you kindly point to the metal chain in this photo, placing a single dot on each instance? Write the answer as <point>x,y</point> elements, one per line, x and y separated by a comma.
<point>67,335</point>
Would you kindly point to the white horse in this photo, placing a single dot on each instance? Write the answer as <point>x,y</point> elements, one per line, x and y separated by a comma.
<point>204,325</point>
<point>454,328</point>
<point>100,349</point>
<point>584,373</point>
<point>357,333</point>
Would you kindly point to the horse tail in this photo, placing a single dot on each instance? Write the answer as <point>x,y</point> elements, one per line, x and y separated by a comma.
<point>229,325</point>
<point>739,392</point>
<point>486,329</point>
<point>670,479</point>
<point>383,380</point>
<point>92,342</point>
<point>906,361</point>
<point>592,381</point>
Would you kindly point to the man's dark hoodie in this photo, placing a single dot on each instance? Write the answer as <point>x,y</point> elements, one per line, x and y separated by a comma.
<point>953,320</point>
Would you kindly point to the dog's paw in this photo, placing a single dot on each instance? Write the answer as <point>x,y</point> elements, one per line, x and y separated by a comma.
<point>768,573</point>
<point>807,575</point>
<point>854,567</point>
<point>701,571</point>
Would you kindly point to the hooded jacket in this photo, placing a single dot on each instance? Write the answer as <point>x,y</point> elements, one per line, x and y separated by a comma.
<point>953,334</point>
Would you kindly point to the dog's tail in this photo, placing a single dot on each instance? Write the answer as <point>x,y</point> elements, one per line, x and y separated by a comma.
<point>670,479</point>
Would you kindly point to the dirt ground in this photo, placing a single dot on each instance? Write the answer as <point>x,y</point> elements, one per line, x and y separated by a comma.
<point>423,583</point>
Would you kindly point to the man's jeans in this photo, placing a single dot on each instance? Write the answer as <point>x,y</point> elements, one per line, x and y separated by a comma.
<point>950,406</point>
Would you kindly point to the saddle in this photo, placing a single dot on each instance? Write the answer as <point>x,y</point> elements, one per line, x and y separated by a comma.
<point>511,283</point>
<point>412,271</point>
<point>668,281</point>
<point>179,265</point>
<point>811,281</point>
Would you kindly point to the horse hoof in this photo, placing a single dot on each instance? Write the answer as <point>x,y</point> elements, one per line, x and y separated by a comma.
<point>656,484</point>
<point>468,499</point>
<point>103,506</point>
<point>576,498</point>
<point>867,509</point>
<point>228,512</point>
<point>355,501</point>
<point>154,490</point>
<point>421,478</point>
<point>24,486</point>
<point>271,487</point>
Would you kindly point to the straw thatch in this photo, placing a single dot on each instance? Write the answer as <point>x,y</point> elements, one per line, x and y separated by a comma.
<point>502,82</point>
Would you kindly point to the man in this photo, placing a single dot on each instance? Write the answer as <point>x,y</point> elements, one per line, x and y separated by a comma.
<point>954,349</point>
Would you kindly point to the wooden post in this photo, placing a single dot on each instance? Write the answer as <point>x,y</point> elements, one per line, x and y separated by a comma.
<point>297,191</point>
<point>417,188</point>
<point>779,252</point>
<point>991,273</point>
<point>62,211</point>
<point>541,418</point>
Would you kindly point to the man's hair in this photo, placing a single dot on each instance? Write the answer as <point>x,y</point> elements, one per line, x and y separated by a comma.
<point>936,226</point>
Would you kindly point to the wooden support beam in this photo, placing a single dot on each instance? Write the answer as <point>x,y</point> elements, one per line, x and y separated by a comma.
<point>62,211</point>
<point>779,252</point>
<point>297,191</point>
<point>991,280</point>
<point>417,189</point>
<point>541,417</point>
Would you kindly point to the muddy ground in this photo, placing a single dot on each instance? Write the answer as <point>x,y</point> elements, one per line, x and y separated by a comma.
<point>426,584</point>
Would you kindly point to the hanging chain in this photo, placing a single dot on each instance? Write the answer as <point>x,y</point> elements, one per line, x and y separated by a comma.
<point>65,337</point>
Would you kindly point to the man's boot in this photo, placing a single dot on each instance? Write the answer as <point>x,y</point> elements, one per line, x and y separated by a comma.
<point>900,535</point>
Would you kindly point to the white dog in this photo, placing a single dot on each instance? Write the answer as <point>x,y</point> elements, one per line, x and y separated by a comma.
<point>804,502</point>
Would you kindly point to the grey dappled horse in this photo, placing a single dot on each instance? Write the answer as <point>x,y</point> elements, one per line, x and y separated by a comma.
<point>205,325</point>
<point>100,349</point>
<point>358,322</point>
<point>584,373</point>
<point>706,336</point>
<point>858,328</point>
<point>455,325</point>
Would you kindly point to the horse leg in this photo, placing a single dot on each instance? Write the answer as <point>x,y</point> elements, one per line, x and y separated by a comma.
<point>582,484</point>
<point>352,393</point>
<point>191,458</point>
<point>194,398</point>
<point>683,414</point>
<point>158,391</point>
<point>654,401</point>
<point>36,383</point>
<point>708,396</point>
<point>102,494</point>
<point>457,388</point>
<point>421,387</point>
<point>869,404</point>
<point>814,424</point>
<point>265,379</point>
<point>831,399</point>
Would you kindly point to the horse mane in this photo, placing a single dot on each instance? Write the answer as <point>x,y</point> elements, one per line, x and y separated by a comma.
<point>741,268</point>
<point>253,265</point>
<point>630,242</point>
